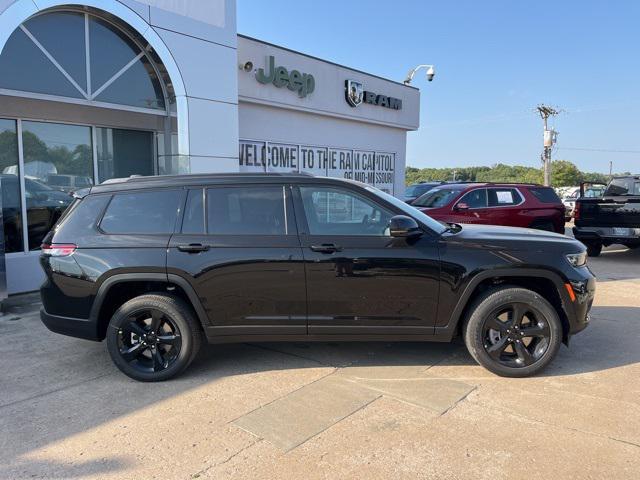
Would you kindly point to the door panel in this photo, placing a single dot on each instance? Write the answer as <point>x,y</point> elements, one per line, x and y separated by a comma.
<point>248,283</point>
<point>365,284</point>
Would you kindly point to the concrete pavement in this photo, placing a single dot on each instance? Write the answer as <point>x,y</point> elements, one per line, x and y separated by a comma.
<point>368,410</point>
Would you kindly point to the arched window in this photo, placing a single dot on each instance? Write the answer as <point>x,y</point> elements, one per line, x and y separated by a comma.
<point>80,56</point>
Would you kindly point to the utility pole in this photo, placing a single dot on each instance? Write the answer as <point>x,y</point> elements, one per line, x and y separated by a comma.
<point>549,140</point>
<point>610,168</point>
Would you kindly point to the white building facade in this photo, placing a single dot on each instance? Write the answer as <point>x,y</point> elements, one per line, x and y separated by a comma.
<point>111,88</point>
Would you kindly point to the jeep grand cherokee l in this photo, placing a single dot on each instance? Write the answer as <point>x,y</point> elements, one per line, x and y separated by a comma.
<point>158,265</point>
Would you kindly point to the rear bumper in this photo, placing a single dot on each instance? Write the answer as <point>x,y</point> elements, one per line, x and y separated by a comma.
<point>629,236</point>
<point>73,327</point>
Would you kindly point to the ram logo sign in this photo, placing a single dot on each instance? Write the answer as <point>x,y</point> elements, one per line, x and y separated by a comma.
<point>355,94</point>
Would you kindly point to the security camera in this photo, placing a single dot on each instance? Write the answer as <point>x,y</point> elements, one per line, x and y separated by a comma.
<point>247,66</point>
<point>431,72</point>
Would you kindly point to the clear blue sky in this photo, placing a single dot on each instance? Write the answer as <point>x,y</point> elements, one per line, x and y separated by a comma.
<point>495,61</point>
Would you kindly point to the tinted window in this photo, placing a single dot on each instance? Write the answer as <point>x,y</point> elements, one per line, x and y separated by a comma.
<point>503,197</point>
<point>142,212</point>
<point>332,211</point>
<point>623,186</point>
<point>438,197</point>
<point>250,210</point>
<point>193,220</point>
<point>546,194</point>
<point>475,198</point>
<point>10,187</point>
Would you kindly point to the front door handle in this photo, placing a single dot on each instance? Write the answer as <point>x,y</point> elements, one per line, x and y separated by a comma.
<point>326,248</point>
<point>193,248</point>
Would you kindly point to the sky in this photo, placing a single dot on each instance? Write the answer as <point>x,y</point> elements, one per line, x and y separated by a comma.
<point>495,61</point>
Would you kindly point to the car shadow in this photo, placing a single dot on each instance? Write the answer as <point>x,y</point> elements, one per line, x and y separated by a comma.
<point>97,393</point>
<point>616,263</point>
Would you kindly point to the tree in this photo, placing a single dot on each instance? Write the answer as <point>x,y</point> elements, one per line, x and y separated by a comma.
<point>565,174</point>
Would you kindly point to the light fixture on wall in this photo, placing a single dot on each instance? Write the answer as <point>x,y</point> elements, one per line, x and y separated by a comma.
<point>431,72</point>
<point>246,66</point>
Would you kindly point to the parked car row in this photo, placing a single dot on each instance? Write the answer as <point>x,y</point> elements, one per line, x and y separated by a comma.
<point>509,204</point>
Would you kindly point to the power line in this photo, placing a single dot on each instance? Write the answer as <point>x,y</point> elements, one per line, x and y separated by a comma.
<point>606,150</point>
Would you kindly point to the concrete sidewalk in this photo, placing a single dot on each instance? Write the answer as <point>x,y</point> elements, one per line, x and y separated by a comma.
<point>369,410</point>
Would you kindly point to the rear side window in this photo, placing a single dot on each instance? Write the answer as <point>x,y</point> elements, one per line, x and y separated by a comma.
<point>503,197</point>
<point>193,219</point>
<point>142,212</point>
<point>248,210</point>
<point>80,218</point>
<point>547,195</point>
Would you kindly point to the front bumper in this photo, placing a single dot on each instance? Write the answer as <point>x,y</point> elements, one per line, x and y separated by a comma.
<point>73,327</point>
<point>584,289</point>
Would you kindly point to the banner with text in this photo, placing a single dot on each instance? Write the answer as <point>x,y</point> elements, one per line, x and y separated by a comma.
<point>375,168</point>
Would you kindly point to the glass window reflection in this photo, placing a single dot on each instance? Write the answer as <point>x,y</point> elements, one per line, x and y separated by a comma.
<point>57,160</point>
<point>10,186</point>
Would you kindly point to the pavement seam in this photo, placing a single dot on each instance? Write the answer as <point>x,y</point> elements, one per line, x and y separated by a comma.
<point>560,427</point>
<point>334,423</point>
<point>455,404</point>
<point>50,392</point>
<point>228,459</point>
<point>283,396</point>
<point>269,349</point>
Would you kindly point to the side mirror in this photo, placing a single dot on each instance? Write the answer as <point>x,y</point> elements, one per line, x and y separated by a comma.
<point>462,206</point>
<point>404,226</point>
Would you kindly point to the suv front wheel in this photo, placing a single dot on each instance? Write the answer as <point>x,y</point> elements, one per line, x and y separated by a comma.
<point>513,332</point>
<point>153,337</point>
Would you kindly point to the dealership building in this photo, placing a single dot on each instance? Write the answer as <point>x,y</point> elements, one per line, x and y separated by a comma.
<point>107,89</point>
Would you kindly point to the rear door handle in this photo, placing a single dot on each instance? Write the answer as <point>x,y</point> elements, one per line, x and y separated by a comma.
<point>326,248</point>
<point>193,248</point>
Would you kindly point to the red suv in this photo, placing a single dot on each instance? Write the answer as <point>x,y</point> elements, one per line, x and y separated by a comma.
<point>512,204</point>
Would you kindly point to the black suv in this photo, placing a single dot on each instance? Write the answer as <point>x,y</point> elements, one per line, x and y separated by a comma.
<point>157,265</point>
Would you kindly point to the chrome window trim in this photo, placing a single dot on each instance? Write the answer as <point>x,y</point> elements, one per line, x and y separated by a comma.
<point>522,199</point>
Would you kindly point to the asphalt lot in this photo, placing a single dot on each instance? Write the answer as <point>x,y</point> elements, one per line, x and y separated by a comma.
<point>368,410</point>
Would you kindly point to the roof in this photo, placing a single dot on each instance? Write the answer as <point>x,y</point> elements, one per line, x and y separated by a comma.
<point>165,181</point>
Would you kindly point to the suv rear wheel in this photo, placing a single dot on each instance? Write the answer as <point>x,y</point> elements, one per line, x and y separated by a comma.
<point>513,332</point>
<point>153,337</point>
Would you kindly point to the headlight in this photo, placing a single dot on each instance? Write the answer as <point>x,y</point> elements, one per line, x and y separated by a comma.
<point>577,259</point>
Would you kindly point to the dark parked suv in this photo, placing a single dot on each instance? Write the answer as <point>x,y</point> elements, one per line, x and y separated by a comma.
<point>158,265</point>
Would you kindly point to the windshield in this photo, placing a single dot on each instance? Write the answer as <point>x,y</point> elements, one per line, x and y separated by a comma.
<point>417,190</point>
<point>438,197</point>
<point>409,210</point>
<point>623,186</point>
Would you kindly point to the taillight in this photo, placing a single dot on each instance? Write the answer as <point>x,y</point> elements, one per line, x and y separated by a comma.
<point>58,249</point>
<point>576,211</point>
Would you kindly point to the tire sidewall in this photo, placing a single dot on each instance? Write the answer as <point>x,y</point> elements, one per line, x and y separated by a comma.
<point>166,305</point>
<point>494,300</point>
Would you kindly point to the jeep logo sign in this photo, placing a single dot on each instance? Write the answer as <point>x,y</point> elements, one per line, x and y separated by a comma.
<point>303,83</point>
<point>355,95</point>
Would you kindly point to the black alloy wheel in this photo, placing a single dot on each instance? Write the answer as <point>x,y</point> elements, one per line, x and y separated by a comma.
<point>512,331</point>
<point>149,340</point>
<point>516,335</point>
<point>154,337</point>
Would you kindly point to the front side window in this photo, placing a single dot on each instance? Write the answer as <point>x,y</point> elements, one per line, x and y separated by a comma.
<point>142,212</point>
<point>475,198</point>
<point>503,197</point>
<point>334,211</point>
<point>247,210</point>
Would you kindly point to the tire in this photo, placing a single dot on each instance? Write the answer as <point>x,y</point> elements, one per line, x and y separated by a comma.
<point>594,248</point>
<point>539,318</point>
<point>153,337</point>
